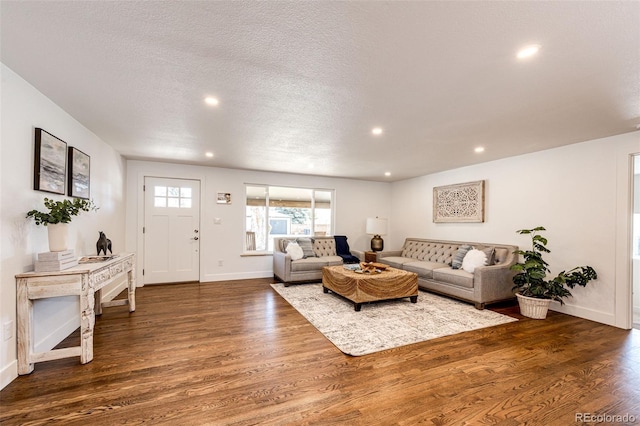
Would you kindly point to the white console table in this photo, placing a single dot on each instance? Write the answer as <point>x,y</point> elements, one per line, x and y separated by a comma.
<point>86,281</point>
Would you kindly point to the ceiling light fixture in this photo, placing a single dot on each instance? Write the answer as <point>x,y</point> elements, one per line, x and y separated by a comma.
<point>209,154</point>
<point>387,173</point>
<point>211,101</point>
<point>376,131</point>
<point>528,51</point>
<point>479,149</point>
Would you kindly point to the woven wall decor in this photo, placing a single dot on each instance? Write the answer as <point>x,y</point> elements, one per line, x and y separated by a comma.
<point>462,202</point>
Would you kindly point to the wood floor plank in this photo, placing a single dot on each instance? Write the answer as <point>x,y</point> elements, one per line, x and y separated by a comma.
<point>236,353</point>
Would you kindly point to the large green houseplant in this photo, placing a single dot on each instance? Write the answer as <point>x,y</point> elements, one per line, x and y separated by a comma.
<point>531,283</point>
<point>56,219</point>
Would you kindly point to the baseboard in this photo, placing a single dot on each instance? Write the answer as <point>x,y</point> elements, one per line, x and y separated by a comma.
<point>237,276</point>
<point>50,341</point>
<point>111,294</point>
<point>588,314</point>
<point>8,374</point>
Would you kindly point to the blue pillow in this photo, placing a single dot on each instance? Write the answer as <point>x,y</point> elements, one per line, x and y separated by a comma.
<point>459,256</point>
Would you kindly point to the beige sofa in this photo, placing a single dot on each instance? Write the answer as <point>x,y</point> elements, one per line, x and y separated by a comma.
<point>431,260</point>
<point>309,269</point>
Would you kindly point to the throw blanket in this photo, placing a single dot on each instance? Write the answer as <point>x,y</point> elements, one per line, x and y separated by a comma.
<point>342,249</point>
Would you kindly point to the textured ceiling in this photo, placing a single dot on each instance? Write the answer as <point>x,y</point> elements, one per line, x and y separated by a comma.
<point>301,84</point>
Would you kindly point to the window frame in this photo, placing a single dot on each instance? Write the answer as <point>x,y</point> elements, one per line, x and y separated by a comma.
<point>267,196</point>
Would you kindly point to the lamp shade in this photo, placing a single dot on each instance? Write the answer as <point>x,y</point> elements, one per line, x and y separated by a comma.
<point>376,226</point>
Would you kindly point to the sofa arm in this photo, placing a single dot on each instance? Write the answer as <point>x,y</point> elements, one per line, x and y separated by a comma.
<point>282,265</point>
<point>359,254</point>
<point>493,283</point>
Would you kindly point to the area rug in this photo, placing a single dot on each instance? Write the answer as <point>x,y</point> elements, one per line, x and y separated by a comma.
<point>384,325</point>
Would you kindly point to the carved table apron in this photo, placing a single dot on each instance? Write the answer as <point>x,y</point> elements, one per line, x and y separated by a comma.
<point>85,281</point>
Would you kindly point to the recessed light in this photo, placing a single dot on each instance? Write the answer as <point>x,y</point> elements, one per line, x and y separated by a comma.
<point>211,101</point>
<point>376,131</point>
<point>387,173</point>
<point>479,149</point>
<point>209,154</point>
<point>528,51</point>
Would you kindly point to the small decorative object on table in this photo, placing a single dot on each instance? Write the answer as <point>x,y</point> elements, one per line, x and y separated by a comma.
<point>372,267</point>
<point>103,244</point>
<point>57,218</point>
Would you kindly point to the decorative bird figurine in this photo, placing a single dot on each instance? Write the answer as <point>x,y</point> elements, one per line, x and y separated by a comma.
<point>103,244</point>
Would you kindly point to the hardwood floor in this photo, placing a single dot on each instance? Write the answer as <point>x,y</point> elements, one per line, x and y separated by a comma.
<point>236,353</point>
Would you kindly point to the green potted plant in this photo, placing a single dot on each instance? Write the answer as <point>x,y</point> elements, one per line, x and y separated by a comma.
<point>534,291</point>
<point>56,219</point>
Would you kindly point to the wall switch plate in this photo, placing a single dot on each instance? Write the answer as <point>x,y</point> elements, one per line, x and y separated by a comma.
<point>217,221</point>
<point>220,263</point>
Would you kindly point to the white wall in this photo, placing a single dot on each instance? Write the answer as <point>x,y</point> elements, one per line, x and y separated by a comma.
<point>23,108</point>
<point>575,192</point>
<point>355,201</point>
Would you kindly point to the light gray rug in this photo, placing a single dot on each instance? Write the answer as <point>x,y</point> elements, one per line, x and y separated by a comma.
<point>384,325</point>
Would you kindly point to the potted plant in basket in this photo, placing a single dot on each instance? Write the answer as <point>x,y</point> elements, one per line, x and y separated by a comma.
<point>59,215</point>
<point>534,292</point>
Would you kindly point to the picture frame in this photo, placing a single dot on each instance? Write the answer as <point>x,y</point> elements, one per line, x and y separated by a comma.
<point>79,183</point>
<point>223,198</point>
<point>462,202</point>
<point>50,163</point>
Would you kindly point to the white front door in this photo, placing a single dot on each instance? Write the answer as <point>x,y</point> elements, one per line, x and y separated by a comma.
<point>171,230</point>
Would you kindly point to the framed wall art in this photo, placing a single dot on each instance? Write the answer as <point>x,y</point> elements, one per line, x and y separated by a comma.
<point>462,202</point>
<point>224,198</point>
<point>79,176</point>
<point>50,163</point>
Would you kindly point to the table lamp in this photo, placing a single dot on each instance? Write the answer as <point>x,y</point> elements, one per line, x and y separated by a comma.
<point>376,227</point>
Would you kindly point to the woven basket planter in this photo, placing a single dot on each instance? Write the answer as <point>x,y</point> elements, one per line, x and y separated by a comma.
<point>532,307</point>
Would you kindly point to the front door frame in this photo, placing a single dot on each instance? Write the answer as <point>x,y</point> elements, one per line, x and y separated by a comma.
<point>140,217</point>
<point>623,304</point>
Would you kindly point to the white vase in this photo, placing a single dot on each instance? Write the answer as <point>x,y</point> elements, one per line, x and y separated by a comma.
<point>532,307</point>
<point>58,233</point>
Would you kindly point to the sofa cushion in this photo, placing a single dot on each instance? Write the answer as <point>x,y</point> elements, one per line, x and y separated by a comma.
<point>324,247</point>
<point>294,250</point>
<point>500,255</point>
<point>423,269</point>
<point>456,263</point>
<point>315,263</point>
<point>395,261</point>
<point>429,251</point>
<point>308,264</point>
<point>452,276</point>
<point>307,246</point>
<point>473,259</point>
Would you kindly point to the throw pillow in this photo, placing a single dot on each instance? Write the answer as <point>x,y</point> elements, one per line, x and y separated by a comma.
<point>491,255</point>
<point>307,247</point>
<point>473,259</point>
<point>294,250</point>
<point>459,256</point>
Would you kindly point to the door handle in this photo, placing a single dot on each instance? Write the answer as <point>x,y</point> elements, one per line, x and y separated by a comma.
<point>195,238</point>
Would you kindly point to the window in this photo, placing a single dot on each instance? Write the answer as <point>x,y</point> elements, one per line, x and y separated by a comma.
<point>172,196</point>
<point>276,211</point>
